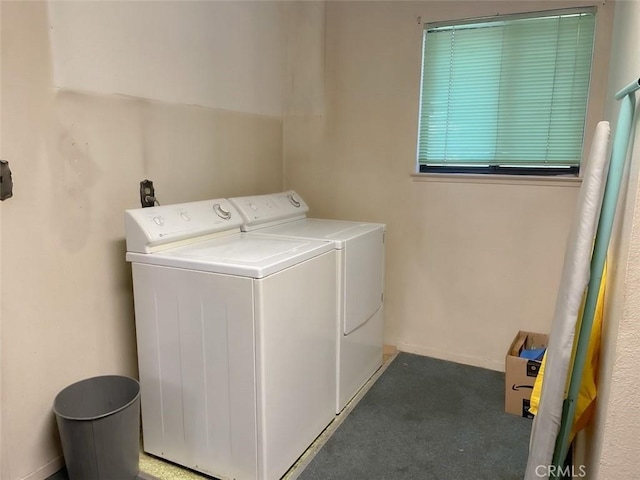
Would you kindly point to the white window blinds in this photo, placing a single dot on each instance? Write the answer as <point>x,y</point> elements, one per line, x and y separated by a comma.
<point>506,91</point>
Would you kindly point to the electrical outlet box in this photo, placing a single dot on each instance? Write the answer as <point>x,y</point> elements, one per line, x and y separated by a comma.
<point>147,194</point>
<point>6,181</point>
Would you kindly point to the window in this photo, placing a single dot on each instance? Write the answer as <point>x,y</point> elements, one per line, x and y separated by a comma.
<point>506,94</point>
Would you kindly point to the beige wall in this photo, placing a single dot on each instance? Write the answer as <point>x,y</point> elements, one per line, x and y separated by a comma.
<point>612,442</point>
<point>1,354</point>
<point>77,159</point>
<point>469,263</point>
<point>221,54</point>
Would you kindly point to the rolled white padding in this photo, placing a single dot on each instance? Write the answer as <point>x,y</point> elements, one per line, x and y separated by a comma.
<point>573,283</point>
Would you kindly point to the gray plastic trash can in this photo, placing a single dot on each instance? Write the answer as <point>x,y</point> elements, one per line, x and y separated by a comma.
<point>99,423</point>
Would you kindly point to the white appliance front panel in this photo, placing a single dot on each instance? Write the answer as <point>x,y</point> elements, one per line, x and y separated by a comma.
<point>296,309</point>
<point>363,278</point>
<point>359,356</point>
<point>195,334</point>
<point>245,255</point>
<point>237,375</point>
<point>360,316</point>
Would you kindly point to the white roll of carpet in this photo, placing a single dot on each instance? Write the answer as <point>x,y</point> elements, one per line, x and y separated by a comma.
<point>574,281</point>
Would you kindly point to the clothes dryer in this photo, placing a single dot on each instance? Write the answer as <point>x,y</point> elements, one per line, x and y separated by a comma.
<point>236,349</point>
<point>360,275</point>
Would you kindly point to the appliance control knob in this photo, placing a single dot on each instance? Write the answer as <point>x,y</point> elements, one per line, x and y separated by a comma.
<point>159,220</point>
<point>294,201</point>
<point>221,212</point>
<point>253,206</point>
<point>185,216</point>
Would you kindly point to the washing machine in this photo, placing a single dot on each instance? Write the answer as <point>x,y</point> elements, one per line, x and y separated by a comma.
<point>236,349</point>
<point>360,275</point>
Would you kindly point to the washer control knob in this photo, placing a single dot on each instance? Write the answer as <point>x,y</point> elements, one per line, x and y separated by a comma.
<point>159,220</point>
<point>253,206</point>
<point>185,216</point>
<point>221,212</point>
<point>294,201</point>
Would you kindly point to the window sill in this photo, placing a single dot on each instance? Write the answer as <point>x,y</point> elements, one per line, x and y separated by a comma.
<point>558,181</point>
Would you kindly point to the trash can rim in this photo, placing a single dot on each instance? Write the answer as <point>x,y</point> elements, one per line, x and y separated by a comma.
<point>96,417</point>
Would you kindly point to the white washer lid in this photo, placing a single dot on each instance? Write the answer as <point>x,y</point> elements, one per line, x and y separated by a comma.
<point>336,231</point>
<point>244,255</point>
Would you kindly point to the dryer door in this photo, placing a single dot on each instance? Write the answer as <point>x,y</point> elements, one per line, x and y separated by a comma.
<point>363,277</point>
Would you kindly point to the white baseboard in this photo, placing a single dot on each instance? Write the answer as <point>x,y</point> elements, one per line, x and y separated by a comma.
<point>46,470</point>
<point>488,363</point>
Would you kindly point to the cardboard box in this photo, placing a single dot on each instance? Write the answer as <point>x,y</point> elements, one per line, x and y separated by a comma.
<point>520,373</point>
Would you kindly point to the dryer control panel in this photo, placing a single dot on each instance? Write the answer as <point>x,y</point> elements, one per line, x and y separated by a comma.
<point>261,211</point>
<point>154,228</point>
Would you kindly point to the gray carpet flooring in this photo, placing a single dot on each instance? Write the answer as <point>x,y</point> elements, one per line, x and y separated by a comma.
<point>427,419</point>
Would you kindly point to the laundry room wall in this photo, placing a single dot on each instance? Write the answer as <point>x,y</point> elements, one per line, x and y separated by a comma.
<point>469,261</point>
<point>97,96</point>
<point>611,442</point>
<point>1,445</point>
